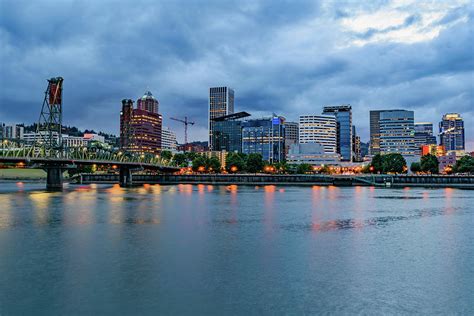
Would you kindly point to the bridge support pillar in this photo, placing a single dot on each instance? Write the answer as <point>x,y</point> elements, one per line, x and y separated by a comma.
<point>54,178</point>
<point>125,177</point>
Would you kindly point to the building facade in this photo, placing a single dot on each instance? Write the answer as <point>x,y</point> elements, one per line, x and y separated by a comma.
<point>397,132</point>
<point>14,132</point>
<point>140,129</point>
<point>320,129</point>
<point>168,139</point>
<point>343,114</point>
<point>424,135</point>
<point>356,147</point>
<point>221,103</point>
<point>266,137</point>
<point>311,153</point>
<point>374,145</point>
<point>291,135</point>
<point>227,134</point>
<point>451,133</point>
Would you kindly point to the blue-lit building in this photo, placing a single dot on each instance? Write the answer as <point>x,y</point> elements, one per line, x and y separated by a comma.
<point>451,132</point>
<point>343,114</point>
<point>264,136</point>
<point>227,133</point>
<point>397,132</point>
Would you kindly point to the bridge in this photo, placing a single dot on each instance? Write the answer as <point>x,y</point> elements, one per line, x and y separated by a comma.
<point>48,152</point>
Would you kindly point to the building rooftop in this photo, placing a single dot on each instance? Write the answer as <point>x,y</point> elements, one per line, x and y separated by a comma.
<point>230,117</point>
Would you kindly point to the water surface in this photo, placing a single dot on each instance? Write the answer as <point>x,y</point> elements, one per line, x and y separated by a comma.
<point>201,249</point>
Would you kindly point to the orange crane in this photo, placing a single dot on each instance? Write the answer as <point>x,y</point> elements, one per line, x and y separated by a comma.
<point>186,123</point>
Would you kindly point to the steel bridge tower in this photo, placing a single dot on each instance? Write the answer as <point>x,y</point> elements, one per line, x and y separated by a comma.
<point>48,132</point>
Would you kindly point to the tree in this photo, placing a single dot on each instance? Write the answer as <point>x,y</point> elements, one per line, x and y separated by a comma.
<point>213,164</point>
<point>166,155</point>
<point>464,165</point>
<point>199,164</point>
<point>180,160</point>
<point>234,162</point>
<point>281,167</point>
<point>254,163</point>
<point>429,163</point>
<point>393,163</point>
<point>415,167</point>
<point>377,163</point>
<point>304,168</point>
<point>325,169</point>
<point>190,156</point>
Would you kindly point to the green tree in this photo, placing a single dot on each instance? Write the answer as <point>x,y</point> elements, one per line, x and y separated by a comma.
<point>304,168</point>
<point>254,163</point>
<point>464,165</point>
<point>234,162</point>
<point>393,163</point>
<point>213,164</point>
<point>415,167</point>
<point>190,156</point>
<point>377,163</point>
<point>281,167</point>
<point>429,163</point>
<point>180,160</point>
<point>199,163</point>
<point>325,169</point>
<point>166,155</point>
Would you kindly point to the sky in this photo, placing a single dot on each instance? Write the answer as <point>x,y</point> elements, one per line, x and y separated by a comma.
<point>283,57</point>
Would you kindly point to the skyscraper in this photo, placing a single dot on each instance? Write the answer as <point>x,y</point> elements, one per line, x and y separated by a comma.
<point>141,128</point>
<point>356,151</point>
<point>343,114</point>
<point>397,132</point>
<point>374,146</point>
<point>451,132</point>
<point>266,137</point>
<point>227,134</point>
<point>424,135</point>
<point>291,135</point>
<point>320,129</point>
<point>221,103</point>
<point>168,139</point>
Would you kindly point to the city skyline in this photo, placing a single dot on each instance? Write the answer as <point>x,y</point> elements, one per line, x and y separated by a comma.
<point>369,60</point>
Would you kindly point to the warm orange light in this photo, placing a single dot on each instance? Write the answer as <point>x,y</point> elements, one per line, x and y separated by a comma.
<point>233,168</point>
<point>201,168</point>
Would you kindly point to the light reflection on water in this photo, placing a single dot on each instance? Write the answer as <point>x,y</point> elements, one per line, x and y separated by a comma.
<point>204,249</point>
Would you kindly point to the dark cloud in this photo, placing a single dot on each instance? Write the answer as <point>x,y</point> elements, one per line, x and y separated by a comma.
<point>279,56</point>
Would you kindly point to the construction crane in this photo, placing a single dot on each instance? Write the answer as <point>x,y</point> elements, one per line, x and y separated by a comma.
<point>186,123</point>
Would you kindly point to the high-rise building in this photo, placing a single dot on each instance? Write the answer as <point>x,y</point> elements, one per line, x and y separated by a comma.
<point>291,135</point>
<point>451,132</point>
<point>148,103</point>
<point>397,132</point>
<point>356,150</point>
<point>168,139</point>
<point>2,131</point>
<point>320,129</point>
<point>424,135</point>
<point>343,114</point>
<point>140,129</point>
<point>374,146</point>
<point>227,134</point>
<point>264,136</point>
<point>221,103</point>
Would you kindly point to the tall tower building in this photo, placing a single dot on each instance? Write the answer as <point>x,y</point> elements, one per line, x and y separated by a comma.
<point>374,145</point>
<point>265,136</point>
<point>451,132</point>
<point>140,129</point>
<point>221,103</point>
<point>343,114</point>
<point>397,132</point>
<point>320,129</point>
<point>291,134</point>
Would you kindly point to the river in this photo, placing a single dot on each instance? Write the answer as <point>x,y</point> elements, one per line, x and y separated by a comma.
<point>202,249</point>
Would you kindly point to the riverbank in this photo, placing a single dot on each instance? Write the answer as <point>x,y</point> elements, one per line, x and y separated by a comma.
<point>266,179</point>
<point>22,174</point>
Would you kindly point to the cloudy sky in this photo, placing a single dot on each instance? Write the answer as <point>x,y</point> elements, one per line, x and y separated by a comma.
<point>287,57</point>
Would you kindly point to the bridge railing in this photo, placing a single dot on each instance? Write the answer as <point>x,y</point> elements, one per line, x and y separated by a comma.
<point>23,150</point>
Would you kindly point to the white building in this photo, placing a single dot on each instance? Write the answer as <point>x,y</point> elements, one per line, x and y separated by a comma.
<point>73,141</point>
<point>311,153</point>
<point>89,137</point>
<point>168,139</point>
<point>320,129</point>
<point>13,131</point>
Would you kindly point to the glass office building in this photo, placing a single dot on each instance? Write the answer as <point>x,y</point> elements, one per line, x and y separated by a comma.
<point>451,132</point>
<point>397,132</point>
<point>221,103</point>
<point>266,137</point>
<point>343,114</point>
<point>227,133</point>
<point>424,135</point>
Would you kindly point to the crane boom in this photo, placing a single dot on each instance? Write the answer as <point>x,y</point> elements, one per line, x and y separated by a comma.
<point>186,123</point>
